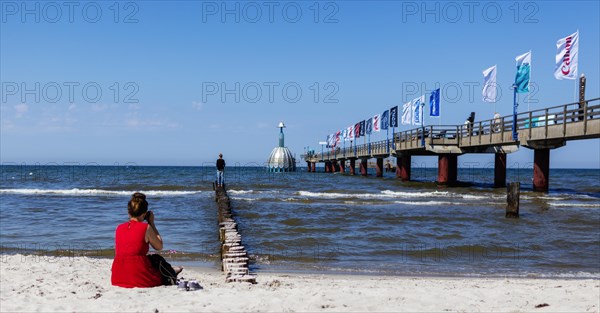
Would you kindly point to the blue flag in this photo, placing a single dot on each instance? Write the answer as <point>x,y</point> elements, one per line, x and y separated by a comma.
<point>369,126</point>
<point>385,119</point>
<point>394,117</point>
<point>523,72</point>
<point>434,103</point>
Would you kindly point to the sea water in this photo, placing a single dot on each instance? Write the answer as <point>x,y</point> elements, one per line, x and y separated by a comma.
<point>315,222</point>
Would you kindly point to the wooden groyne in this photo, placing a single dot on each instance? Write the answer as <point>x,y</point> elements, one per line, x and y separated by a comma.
<point>234,257</point>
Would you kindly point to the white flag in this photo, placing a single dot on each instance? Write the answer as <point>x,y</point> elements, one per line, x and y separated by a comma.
<point>417,110</point>
<point>407,113</point>
<point>566,57</point>
<point>489,84</point>
<point>376,119</point>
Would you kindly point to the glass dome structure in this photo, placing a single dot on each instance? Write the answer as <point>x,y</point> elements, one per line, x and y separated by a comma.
<point>281,158</point>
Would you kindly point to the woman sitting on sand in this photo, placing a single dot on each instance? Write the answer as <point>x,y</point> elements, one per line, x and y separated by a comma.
<point>131,266</point>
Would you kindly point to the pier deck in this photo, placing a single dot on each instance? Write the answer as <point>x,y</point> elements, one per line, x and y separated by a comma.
<point>541,130</point>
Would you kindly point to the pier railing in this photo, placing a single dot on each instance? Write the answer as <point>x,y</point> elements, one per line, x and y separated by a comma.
<point>578,120</point>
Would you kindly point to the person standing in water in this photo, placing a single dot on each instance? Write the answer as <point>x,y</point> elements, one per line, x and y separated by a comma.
<point>220,169</point>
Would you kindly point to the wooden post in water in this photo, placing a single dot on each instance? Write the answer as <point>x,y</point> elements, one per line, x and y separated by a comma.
<point>513,192</point>
<point>234,258</point>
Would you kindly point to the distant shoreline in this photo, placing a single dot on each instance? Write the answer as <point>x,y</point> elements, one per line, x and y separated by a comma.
<point>302,165</point>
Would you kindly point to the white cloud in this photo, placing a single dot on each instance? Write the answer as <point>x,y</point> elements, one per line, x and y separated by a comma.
<point>21,109</point>
<point>99,107</point>
<point>134,121</point>
<point>197,105</point>
<point>6,124</point>
<point>134,106</point>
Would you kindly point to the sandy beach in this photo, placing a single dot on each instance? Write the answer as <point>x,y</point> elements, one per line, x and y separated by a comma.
<point>81,284</point>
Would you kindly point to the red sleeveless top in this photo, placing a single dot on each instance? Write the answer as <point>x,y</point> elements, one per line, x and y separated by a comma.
<point>131,267</point>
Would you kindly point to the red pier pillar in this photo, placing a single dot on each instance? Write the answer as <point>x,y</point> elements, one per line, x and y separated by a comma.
<point>500,170</point>
<point>363,167</point>
<point>314,167</point>
<point>453,168</point>
<point>403,167</point>
<point>334,166</point>
<point>379,168</point>
<point>308,166</point>
<point>342,166</point>
<point>541,169</point>
<point>327,167</point>
<point>447,169</point>
<point>352,166</point>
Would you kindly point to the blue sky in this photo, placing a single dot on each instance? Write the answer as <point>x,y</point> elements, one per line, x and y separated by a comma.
<point>173,62</point>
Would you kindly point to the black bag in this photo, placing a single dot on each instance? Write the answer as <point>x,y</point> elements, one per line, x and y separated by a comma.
<point>167,273</point>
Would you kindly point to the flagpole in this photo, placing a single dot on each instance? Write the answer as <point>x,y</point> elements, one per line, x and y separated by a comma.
<point>576,80</point>
<point>439,109</point>
<point>393,134</point>
<point>387,138</point>
<point>575,90</point>
<point>515,105</point>
<point>530,80</point>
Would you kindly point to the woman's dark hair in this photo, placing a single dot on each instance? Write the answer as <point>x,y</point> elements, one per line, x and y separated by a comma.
<point>137,205</point>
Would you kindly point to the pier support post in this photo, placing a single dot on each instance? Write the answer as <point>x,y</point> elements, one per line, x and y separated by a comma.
<point>541,169</point>
<point>363,167</point>
<point>500,170</point>
<point>352,166</point>
<point>403,166</point>
<point>513,192</point>
<point>327,167</point>
<point>314,167</point>
<point>342,166</point>
<point>334,166</point>
<point>379,167</point>
<point>447,169</point>
<point>452,169</point>
<point>308,166</point>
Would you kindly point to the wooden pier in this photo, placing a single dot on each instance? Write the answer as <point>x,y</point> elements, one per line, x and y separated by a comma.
<point>541,130</point>
<point>234,257</point>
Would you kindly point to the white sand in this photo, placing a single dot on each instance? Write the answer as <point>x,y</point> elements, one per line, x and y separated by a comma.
<point>30,283</point>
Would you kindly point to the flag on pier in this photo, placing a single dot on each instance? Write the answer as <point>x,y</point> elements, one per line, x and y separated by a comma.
<point>369,126</point>
<point>434,103</point>
<point>345,134</point>
<point>489,84</point>
<point>523,72</point>
<point>407,113</point>
<point>385,119</point>
<point>362,127</point>
<point>337,138</point>
<point>350,132</point>
<point>394,116</point>
<point>417,110</point>
<point>567,56</point>
<point>357,130</point>
<point>376,123</point>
